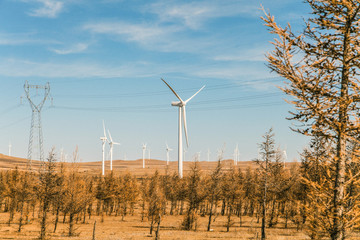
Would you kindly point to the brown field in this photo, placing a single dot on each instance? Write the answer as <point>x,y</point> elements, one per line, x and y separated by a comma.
<point>111,227</point>
<point>132,228</point>
<point>120,166</point>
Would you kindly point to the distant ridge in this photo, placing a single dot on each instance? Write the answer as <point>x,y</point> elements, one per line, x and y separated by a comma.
<point>131,166</point>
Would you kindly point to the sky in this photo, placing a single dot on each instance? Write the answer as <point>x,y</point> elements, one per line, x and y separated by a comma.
<point>104,60</point>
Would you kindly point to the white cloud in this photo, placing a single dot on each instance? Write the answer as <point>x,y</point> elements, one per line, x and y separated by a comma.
<point>154,37</point>
<point>131,32</point>
<point>22,39</point>
<point>73,69</point>
<point>77,48</point>
<point>249,54</point>
<point>194,14</point>
<point>48,8</point>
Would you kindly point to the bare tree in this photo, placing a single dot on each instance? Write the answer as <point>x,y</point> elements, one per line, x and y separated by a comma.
<point>323,81</point>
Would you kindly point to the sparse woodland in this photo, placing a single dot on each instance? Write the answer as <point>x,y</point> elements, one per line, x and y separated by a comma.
<point>270,194</point>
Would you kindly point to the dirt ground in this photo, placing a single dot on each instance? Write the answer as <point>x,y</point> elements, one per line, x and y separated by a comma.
<point>112,228</point>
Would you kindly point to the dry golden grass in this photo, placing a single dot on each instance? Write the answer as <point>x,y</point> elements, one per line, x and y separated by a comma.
<point>120,166</point>
<point>133,228</point>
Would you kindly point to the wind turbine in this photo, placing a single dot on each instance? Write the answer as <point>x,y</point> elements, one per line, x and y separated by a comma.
<point>10,148</point>
<point>149,153</point>
<point>167,154</point>
<point>236,155</point>
<point>111,144</point>
<point>103,139</point>
<point>285,156</point>
<point>143,154</point>
<point>182,119</point>
<point>198,156</point>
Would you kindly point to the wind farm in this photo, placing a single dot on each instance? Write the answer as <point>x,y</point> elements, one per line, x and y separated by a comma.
<point>174,120</point>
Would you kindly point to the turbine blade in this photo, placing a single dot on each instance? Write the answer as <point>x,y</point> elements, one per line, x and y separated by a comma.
<point>104,129</point>
<point>194,94</point>
<point>110,135</point>
<point>185,127</point>
<point>173,90</point>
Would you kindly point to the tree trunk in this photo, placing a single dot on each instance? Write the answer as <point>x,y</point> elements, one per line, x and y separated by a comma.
<point>151,225</point>
<point>43,220</point>
<point>56,218</point>
<point>21,216</point>
<point>157,233</point>
<point>71,224</point>
<point>210,215</point>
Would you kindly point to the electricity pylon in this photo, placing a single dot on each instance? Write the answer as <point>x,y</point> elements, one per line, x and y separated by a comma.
<point>36,128</point>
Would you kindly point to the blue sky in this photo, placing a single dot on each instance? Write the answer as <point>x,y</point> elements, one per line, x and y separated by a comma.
<point>104,60</point>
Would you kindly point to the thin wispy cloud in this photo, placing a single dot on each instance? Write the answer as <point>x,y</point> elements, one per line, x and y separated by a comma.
<point>76,48</point>
<point>13,39</point>
<point>195,14</point>
<point>249,55</point>
<point>128,31</point>
<point>46,8</point>
<point>74,69</point>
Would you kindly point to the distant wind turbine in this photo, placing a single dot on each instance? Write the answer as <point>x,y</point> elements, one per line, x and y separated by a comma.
<point>236,155</point>
<point>143,153</point>
<point>103,139</point>
<point>182,120</point>
<point>111,144</point>
<point>10,148</point>
<point>167,154</point>
<point>285,156</point>
<point>198,156</point>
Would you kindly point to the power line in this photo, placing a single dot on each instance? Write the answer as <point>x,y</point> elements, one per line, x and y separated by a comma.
<point>163,92</point>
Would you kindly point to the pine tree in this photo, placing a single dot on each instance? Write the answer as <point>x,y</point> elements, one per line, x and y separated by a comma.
<point>46,190</point>
<point>323,82</point>
<point>213,191</point>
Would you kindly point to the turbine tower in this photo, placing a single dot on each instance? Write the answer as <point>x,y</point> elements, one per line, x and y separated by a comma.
<point>285,156</point>
<point>10,148</point>
<point>36,128</point>
<point>182,120</point>
<point>111,143</point>
<point>236,155</point>
<point>143,153</point>
<point>103,139</point>
<point>167,154</point>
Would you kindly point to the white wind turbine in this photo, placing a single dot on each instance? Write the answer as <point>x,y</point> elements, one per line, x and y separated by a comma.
<point>111,144</point>
<point>198,156</point>
<point>182,119</point>
<point>236,155</point>
<point>167,154</point>
<point>143,153</point>
<point>285,156</point>
<point>103,139</point>
<point>10,148</point>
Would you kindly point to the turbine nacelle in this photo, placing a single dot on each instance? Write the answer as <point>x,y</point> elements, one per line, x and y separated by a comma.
<point>178,104</point>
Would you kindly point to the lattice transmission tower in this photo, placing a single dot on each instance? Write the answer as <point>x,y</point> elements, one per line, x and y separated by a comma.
<point>36,151</point>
